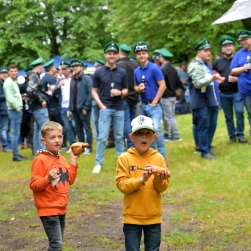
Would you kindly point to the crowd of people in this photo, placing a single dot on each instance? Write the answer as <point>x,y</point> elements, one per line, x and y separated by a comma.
<point>60,107</point>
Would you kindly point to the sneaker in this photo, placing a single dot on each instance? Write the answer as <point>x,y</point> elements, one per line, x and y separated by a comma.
<point>242,140</point>
<point>231,141</point>
<point>97,168</point>
<point>197,150</point>
<point>168,139</point>
<point>87,151</point>
<point>69,151</point>
<point>208,156</point>
<point>177,139</point>
<point>7,150</point>
<point>17,158</point>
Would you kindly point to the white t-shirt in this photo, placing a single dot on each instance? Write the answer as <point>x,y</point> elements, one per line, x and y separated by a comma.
<point>65,89</point>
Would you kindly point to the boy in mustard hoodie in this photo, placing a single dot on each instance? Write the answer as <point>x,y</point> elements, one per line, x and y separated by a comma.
<point>50,180</point>
<point>142,209</point>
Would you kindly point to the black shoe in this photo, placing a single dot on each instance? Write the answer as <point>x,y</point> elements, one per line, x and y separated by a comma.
<point>197,150</point>
<point>110,145</point>
<point>7,150</point>
<point>17,158</point>
<point>231,141</point>
<point>208,156</point>
<point>242,140</point>
<point>22,157</point>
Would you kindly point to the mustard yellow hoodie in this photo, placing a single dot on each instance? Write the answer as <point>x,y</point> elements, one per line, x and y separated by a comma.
<point>142,203</point>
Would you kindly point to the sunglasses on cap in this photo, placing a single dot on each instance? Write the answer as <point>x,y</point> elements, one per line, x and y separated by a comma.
<point>141,48</point>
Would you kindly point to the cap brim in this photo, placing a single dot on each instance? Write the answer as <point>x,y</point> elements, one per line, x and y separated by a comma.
<point>143,127</point>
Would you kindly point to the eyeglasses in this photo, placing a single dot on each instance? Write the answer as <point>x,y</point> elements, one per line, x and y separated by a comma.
<point>141,48</point>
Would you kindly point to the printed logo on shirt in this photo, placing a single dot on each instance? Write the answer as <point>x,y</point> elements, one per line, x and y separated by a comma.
<point>135,168</point>
<point>62,185</point>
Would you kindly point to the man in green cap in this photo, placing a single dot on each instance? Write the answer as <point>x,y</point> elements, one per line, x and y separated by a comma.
<point>169,97</point>
<point>109,88</point>
<point>240,67</point>
<point>132,98</point>
<point>149,82</point>
<point>229,94</point>
<point>204,97</point>
<point>38,102</point>
<point>156,57</point>
<point>80,103</point>
<point>4,118</point>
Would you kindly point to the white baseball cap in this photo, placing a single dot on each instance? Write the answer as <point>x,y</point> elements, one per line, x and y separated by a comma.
<point>142,122</point>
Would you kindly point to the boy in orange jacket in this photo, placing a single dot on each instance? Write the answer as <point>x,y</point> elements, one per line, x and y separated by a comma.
<point>142,200</point>
<point>50,180</point>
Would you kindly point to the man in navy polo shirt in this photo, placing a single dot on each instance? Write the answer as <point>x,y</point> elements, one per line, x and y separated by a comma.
<point>240,66</point>
<point>108,89</point>
<point>149,82</point>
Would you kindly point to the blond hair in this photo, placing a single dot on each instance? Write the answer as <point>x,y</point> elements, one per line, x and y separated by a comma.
<point>50,125</point>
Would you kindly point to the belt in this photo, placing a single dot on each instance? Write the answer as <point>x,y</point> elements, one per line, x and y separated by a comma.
<point>147,102</point>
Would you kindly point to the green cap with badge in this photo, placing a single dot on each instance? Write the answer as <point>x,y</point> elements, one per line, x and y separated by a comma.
<point>99,62</point>
<point>202,45</point>
<point>37,62</point>
<point>242,34</point>
<point>29,68</point>
<point>49,64</point>
<point>166,53</point>
<point>3,69</point>
<point>111,47</point>
<point>65,65</point>
<point>226,39</point>
<point>125,48</point>
<point>141,46</point>
<point>76,62</point>
<point>85,66</point>
<point>156,52</point>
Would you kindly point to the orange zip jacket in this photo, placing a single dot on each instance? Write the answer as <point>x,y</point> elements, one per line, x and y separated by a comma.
<point>51,200</point>
<point>142,203</point>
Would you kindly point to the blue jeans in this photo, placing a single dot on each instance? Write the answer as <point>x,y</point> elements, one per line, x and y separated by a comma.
<point>230,102</point>
<point>247,103</point>
<point>95,117</point>
<point>155,113</point>
<point>68,129</point>
<point>168,109</point>
<point>16,119</point>
<point>54,228</point>
<point>133,233</point>
<point>106,117</point>
<point>130,114</point>
<point>4,121</point>
<point>207,122</point>
<point>40,117</point>
<point>83,122</point>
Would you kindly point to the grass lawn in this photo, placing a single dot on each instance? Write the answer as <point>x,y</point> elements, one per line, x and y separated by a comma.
<point>209,201</point>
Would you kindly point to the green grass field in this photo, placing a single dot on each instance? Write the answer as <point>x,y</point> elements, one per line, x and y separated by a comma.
<point>210,200</point>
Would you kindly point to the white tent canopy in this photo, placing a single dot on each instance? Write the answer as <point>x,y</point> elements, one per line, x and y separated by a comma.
<point>241,9</point>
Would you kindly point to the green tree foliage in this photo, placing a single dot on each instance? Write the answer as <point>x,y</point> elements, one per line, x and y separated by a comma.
<point>175,25</point>
<point>32,28</point>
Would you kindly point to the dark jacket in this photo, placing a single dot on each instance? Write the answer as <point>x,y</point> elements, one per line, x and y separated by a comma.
<point>172,80</point>
<point>3,106</point>
<point>84,93</point>
<point>35,91</point>
<point>129,66</point>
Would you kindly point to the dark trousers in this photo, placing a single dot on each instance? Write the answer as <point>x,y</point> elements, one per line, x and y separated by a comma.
<point>133,233</point>
<point>54,228</point>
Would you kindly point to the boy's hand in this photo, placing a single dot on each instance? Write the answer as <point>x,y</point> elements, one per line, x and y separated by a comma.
<point>52,175</point>
<point>74,158</point>
<point>146,174</point>
<point>162,176</point>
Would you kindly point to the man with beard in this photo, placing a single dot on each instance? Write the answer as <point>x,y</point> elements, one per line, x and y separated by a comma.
<point>4,118</point>
<point>229,94</point>
<point>204,96</point>
<point>240,66</point>
<point>80,103</point>
<point>109,88</point>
